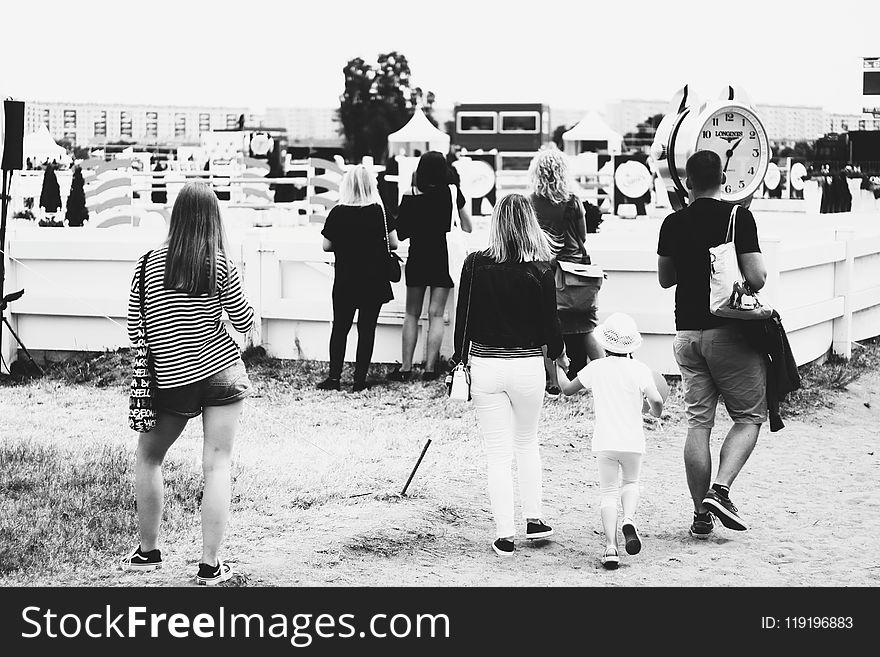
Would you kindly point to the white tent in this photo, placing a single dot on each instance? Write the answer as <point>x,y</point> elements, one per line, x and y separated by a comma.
<point>591,128</point>
<point>39,147</point>
<point>419,134</point>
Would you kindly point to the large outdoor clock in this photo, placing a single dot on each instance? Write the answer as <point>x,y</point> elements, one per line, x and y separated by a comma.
<point>729,126</point>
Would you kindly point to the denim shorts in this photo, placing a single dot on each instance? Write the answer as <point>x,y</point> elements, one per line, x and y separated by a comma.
<point>719,362</point>
<point>225,387</point>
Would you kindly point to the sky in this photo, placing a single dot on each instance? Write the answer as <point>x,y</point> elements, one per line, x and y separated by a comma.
<point>573,55</point>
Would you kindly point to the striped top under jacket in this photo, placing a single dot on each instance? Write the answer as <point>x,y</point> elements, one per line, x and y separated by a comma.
<point>187,340</point>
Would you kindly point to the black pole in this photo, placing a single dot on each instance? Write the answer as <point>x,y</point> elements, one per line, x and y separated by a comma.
<point>411,474</point>
<point>3,208</point>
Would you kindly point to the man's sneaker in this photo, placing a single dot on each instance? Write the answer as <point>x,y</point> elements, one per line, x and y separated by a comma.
<point>552,391</point>
<point>357,386</point>
<point>724,510</point>
<point>538,530</point>
<point>702,525</point>
<point>210,575</point>
<point>142,561</point>
<point>329,384</point>
<point>503,547</point>
<point>610,559</point>
<point>633,542</point>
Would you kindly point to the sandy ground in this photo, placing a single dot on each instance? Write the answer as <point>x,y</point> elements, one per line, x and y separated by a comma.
<point>809,493</point>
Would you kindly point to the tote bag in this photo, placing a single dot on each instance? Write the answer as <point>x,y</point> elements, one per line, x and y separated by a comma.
<point>142,393</point>
<point>456,241</point>
<point>577,284</point>
<point>729,294</point>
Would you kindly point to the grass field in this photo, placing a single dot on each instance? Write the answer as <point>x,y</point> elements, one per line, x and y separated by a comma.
<point>66,465</point>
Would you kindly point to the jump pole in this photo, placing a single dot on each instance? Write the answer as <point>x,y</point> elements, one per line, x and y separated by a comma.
<point>416,467</point>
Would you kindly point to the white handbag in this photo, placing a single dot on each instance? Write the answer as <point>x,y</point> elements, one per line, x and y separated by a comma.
<point>729,293</point>
<point>456,241</point>
<point>458,382</point>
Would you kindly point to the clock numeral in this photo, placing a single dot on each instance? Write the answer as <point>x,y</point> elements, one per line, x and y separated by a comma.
<point>715,121</point>
<point>707,134</point>
<point>755,152</point>
<point>752,134</point>
<point>752,170</point>
<point>727,189</point>
<point>728,116</point>
<point>742,184</point>
<point>744,122</point>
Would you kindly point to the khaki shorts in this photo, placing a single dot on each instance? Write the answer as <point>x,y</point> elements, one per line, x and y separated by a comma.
<point>716,362</point>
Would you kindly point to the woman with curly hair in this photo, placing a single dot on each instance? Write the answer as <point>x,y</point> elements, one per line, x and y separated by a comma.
<point>561,214</point>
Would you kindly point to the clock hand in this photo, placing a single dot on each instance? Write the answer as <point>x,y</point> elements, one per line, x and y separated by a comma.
<point>729,153</point>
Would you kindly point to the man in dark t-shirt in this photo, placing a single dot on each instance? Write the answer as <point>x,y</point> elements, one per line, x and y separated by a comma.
<point>711,351</point>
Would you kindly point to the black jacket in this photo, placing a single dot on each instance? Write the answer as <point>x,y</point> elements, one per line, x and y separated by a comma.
<point>769,338</point>
<point>507,304</point>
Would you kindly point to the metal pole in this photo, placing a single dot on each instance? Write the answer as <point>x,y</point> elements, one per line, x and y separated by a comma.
<point>411,474</point>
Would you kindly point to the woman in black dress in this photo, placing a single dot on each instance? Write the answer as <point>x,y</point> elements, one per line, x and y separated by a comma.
<point>355,231</point>
<point>425,217</point>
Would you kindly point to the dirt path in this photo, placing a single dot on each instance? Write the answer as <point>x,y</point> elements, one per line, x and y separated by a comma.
<point>809,492</point>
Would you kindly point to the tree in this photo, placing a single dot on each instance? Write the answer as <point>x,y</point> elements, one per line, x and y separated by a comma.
<point>643,136</point>
<point>378,99</point>
<point>77,212</point>
<point>556,137</point>
<point>802,149</point>
<point>50,195</point>
<point>78,152</point>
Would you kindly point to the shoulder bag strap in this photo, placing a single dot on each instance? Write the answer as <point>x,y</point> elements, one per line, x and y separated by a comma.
<point>466,347</point>
<point>730,236</point>
<point>143,291</point>
<point>385,224</point>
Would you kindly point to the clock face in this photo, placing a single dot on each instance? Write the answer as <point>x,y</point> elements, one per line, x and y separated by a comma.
<point>738,137</point>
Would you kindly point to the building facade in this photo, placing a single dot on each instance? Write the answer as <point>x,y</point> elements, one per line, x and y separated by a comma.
<point>307,125</point>
<point>95,124</point>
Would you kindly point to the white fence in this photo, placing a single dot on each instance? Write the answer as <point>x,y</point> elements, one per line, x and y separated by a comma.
<point>824,278</point>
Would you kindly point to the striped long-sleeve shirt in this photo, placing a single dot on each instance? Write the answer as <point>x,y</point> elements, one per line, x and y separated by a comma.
<point>187,340</point>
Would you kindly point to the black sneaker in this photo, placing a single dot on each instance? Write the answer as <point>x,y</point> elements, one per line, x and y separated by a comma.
<point>538,530</point>
<point>633,542</point>
<point>400,375</point>
<point>210,575</point>
<point>724,510</point>
<point>610,559</point>
<point>503,547</point>
<point>702,525</point>
<point>142,561</point>
<point>552,391</point>
<point>357,386</point>
<point>430,376</point>
<point>329,384</point>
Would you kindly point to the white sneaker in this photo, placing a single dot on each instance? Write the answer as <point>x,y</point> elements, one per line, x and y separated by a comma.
<point>610,558</point>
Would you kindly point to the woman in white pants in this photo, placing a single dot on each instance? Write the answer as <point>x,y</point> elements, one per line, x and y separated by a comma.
<point>505,322</point>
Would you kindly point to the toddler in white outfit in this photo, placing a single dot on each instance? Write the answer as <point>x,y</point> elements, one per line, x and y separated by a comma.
<point>620,386</point>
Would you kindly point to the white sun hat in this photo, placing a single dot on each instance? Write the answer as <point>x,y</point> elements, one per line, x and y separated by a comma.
<point>618,334</point>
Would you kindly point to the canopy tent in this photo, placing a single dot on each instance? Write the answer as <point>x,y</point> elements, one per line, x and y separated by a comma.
<point>419,133</point>
<point>40,147</point>
<point>591,129</point>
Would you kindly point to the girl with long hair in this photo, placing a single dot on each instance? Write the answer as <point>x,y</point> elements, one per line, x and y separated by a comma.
<point>506,322</point>
<point>561,214</point>
<point>359,234</point>
<point>425,217</point>
<point>189,283</point>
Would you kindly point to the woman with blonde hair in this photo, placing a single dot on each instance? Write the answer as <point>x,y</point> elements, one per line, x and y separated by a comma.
<point>183,288</point>
<point>505,323</point>
<point>561,214</point>
<point>359,234</point>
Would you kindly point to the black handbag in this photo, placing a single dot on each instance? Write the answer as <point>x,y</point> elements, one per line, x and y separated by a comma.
<point>142,395</point>
<point>393,261</point>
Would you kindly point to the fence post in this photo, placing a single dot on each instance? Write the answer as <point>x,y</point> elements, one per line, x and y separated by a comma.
<point>252,275</point>
<point>770,247</point>
<point>841,341</point>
